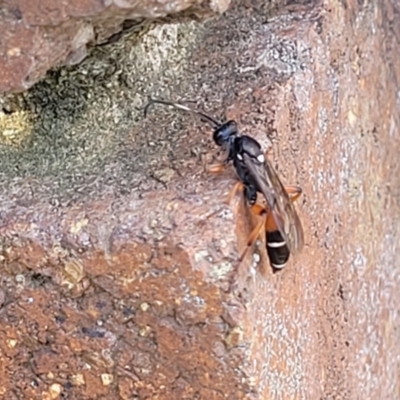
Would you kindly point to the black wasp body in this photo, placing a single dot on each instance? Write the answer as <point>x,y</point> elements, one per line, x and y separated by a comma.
<point>282,227</point>
<point>228,137</point>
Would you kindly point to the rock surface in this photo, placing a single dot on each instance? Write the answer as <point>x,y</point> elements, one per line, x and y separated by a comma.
<point>38,35</point>
<point>117,245</point>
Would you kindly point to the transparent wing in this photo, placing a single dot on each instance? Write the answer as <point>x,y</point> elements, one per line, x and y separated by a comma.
<point>283,211</point>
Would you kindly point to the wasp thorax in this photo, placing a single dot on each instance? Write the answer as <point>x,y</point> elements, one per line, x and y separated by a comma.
<point>249,146</point>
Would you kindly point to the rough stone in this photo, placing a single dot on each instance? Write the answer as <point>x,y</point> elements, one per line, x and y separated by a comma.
<point>38,35</point>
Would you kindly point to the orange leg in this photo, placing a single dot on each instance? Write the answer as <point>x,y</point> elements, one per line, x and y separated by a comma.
<point>232,193</point>
<point>261,211</point>
<point>216,168</point>
<point>255,233</point>
<point>294,192</point>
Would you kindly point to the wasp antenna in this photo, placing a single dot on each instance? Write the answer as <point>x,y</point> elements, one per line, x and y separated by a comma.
<point>146,107</point>
<point>209,119</point>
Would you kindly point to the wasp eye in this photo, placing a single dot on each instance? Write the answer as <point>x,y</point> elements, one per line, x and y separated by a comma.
<point>239,156</point>
<point>261,158</point>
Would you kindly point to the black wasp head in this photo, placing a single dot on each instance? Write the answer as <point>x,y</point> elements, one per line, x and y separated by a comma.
<point>224,134</point>
<point>249,146</point>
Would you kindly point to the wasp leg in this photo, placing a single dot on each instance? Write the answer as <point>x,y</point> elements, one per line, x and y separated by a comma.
<point>294,192</point>
<point>269,153</point>
<point>216,168</point>
<point>232,193</point>
<point>255,233</point>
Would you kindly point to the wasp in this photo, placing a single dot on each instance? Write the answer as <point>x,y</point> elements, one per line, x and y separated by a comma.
<point>280,222</point>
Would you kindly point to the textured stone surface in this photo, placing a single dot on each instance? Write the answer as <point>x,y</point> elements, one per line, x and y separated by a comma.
<point>38,35</point>
<point>117,245</point>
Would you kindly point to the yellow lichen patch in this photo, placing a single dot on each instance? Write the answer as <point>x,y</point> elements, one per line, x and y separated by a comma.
<point>352,118</point>
<point>72,273</point>
<point>14,128</point>
<point>11,343</point>
<point>14,52</point>
<point>55,390</point>
<point>77,227</point>
<point>78,379</point>
<point>106,379</point>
